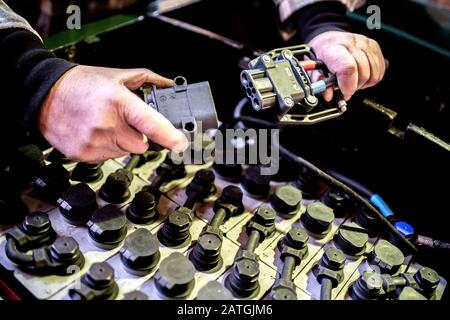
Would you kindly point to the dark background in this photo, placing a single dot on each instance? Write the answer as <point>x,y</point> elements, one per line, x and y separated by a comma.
<point>412,176</point>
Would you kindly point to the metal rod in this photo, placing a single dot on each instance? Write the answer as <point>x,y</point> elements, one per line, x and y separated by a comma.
<point>253,241</point>
<point>325,289</point>
<point>288,268</point>
<point>133,162</point>
<point>218,218</point>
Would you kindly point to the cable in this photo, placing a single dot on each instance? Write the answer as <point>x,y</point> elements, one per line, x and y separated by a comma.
<point>16,256</point>
<point>430,243</point>
<point>374,198</point>
<point>352,183</point>
<point>335,182</point>
<point>238,110</point>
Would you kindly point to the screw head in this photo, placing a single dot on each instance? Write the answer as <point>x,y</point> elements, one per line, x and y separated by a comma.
<point>255,183</point>
<point>288,53</point>
<point>214,290</point>
<point>266,58</point>
<point>100,274</point>
<point>372,281</point>
<point>297,238</point>
<point>175,272</point>
<point>334,259</point>
<point>141,244</point>
<point>210,244</point>
<point>265,215</point>
<point>144,200</point>
<point>204,177</point>
<point>286,199</point>
<point>135,295</point>
<point>283,293</point>
<point>179,220</point>
<point>36,222</point>
<point>288,101</point>
<point>65,248</point>
<point>427,278</point>
<point>342,105</point>
<point>233,195</point>
<point>247,270</point>
<point>118,180</point>
<point>311,99</point>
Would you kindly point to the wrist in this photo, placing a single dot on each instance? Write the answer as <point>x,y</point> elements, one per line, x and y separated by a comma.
<point>321,17</point>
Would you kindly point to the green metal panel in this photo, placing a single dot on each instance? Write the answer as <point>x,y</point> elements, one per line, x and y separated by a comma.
<point>403,34</point>
<point>71,37</point>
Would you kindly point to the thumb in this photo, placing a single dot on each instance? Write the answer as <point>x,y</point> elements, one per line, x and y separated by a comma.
<point>154,125</point>
<point>134,78</point>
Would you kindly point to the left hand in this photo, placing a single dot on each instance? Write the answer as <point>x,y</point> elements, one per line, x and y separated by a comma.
<point>356,60</point>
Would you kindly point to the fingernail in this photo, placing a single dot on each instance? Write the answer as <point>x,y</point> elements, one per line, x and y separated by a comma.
<point>182,143</point>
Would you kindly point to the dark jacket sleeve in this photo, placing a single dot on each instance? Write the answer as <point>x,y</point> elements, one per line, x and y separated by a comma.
<point>320,17</point>
<point>28,72</point>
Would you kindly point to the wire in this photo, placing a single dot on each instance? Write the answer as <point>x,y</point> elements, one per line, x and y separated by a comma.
<point>374,198</point>
<point>16,256</point>
<point>355,185</point>
<point>335,182</point>
<point>430,243</point>
<point>238,110</point>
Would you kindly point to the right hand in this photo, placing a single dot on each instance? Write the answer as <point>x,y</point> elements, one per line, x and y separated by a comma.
<point>91,115</point>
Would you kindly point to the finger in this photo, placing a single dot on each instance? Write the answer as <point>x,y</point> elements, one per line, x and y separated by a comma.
<point>98,154</point>
<point>377,66</point>
<point>134,78</point>
<point>340,62</point>
<point>153,124</point>
<point>363,64</point>
<point>132,141</point>
<point>328,94</point>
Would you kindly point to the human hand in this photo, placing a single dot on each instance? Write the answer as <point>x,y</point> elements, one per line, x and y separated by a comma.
<point>356,60</point>
<point>91,115</point>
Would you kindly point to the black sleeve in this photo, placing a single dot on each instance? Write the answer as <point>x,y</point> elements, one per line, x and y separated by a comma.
<point>28,72</point>
<point>320,17</point>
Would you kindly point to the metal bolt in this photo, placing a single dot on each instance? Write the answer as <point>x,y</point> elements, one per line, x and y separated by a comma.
<point>266,58</point>
<point>284,289</point>
<point>297,238</point>
<point>333,258</point>
<point>265,215</point>
<point>210,244</point>
<point>65,248</point>
<point>289,102</point>
<point>288,54</point>
<point>101,274</point>
<point>247,269</point>
<point>179,220</point>
<point>342,105</point>
<point>37,222</point>
<point>428,278</point>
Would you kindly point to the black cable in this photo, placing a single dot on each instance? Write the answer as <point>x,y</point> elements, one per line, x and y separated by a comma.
<point>352,183</point>
<point>20,258</point>
<point>264,123</point>
<point>335,182</point>
<point>433,244</point>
